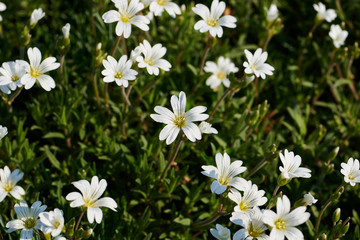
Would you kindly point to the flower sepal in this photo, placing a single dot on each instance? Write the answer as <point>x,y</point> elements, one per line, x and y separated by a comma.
<point>282,181</point>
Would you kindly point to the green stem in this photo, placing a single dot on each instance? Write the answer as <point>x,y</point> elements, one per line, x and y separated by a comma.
<point>212,219</point>
<point>41,235</point>
<point>12,98</point>
<point>257,168</point>
<point>96,88</point>
<point>226,93</point>
<point>172,159</point>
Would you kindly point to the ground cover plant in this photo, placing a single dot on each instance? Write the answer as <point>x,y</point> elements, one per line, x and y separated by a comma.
<point>160,119</point>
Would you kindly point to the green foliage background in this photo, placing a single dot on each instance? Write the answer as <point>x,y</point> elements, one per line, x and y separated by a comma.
<point>61,136</point>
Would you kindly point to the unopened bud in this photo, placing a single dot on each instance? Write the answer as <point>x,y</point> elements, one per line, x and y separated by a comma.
<point>333,153</point>
<point>70,228</point>
<point>281,181</point>
<point>344,229</point>
<point>323,237</point>
<point>87,233</point>
<point>336,215</point>
<point>336,195</point>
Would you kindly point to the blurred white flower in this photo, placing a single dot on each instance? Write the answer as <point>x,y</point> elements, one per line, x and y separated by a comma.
<point>53,222</point>
<point>135,53</point>
<point>11,72</point>
<point>8,181</point>
<point>220,233</point>
<point>2,8</point>
<point>66,30</point>
<point>146,2</point>
<point>256,64</point>
<point>205,127</point>
<point>36,70</point>
<point>89,198</point>
<point>60,238</point>
<point>125,16</point>
<point>158,6</point>
<point>118,71</point>
<point>252,223</point>
<point>309,199</point>
<point>3,132</point>
<point>36,15</point>
<point>292,167</point>
<point>28,219</point>
<point>283,223</point>
<point>179,119</point>
<point>338,35</point>
<point>272,13</point>
<point>150,15</point>
<point>211,19</point>
<point>220,72</point>
<point>249,79</point>
<point>152,58</point>
<point>224,173</point>
<point>252,197</point>
<point>329,15</point>
<point>351,171</point>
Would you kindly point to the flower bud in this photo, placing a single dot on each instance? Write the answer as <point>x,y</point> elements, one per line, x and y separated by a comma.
<point>344,229</point>
<point>336,215</point>
<point>281,181</point>
<point>323,237</point>
<point>336,195</point>
<point>70,228</point>
<point>333,153</point>
<point>87,233</point>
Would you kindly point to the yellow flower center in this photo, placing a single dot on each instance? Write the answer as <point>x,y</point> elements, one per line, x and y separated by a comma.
<point>35,72</point>
<point>180,121</point>
<point>351,177</point>
<point>161,2</point>
<point>125,18</point>
<point>14,78</point>
<point>29,223</point>
<point>221,75</point>
<point>149,61</point>
<point>212,22</point>
<point>223,180</point>
<point>57,224</point>
<point>244,205</point>
<point>118,75</point>
<point>253,67</point>
<point>253,231</point>
<point>280,224</point>
<point>8,187</point>
<point>89,203</point>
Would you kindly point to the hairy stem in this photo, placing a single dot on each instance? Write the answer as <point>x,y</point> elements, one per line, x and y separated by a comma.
<point>173,157</point>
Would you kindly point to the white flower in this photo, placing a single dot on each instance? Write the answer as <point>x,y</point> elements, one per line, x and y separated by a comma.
<point>205,127</point>
<point>89,198</point>
<point>158,6</point>
<point>329,15</point>
<point>146,2</point>
<point>60,238</point>
<point>36,15</point>
<point>135,53</point>
<point>8,183</point>
<point>252,197</point>
<point>220,72</point>
<point>53,222</point>
<point>221,233</point>
<point>120,71</point>
<point>3,132</point>
<point>292,167</point>
<point>125,16</point>
<point>338,35</point>
<point>252,223</point>
<point>272,13</point>
<point>36,69</point>
<point>11,73</point>
<point>179,119</point>
<point>256,64</point>
<point>152,58</point>
<point>2,8</point>
<point>66,30</point>
<point>211,19</point>
<point>224,173</point>
<point>150,16</point>
<point>283,222</point>
<point>351,171</point>
<point>28,219</point>
<point>309,199</point>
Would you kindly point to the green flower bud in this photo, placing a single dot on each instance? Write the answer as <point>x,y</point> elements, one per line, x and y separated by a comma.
<point>336,215</point>
<point>323,237</point>
<point>344,229</point>
<point>333,153</point>
<point>87,233</point>
<point>336,195</point>
<point>281,181</point>
<point>70,228</point>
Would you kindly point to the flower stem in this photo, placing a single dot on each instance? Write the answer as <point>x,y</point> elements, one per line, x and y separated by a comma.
<point>323,208</point>
<point>273,196</point>
<point>125,96</point>
<point>212,219</point>
<point>96,88</point>
<point>173,157</point>
<point>78,224</point>
<point>12,98</point>
<point>226,93</point>
<point>257,168</point>
<point>41,235</point>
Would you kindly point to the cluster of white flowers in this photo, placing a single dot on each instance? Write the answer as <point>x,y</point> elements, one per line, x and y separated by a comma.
<point>52,222</point>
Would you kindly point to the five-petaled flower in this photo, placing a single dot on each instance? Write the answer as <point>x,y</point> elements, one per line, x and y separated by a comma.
<point>89,198</point>
<point>338,35</point>
<point>158,6</point>
<point>211,20</point>
<point>291,168</point>
<point>125,16</point>
<point>220,72</point>
<point>220,233</point>
<point>118,71</point>
<point>256,64</point>
<point>8,181</point>
<point>351,171</point>
<point>224,173</point>
<point>179,119</point>
<point>53,222</point>
<point>322,13</point>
